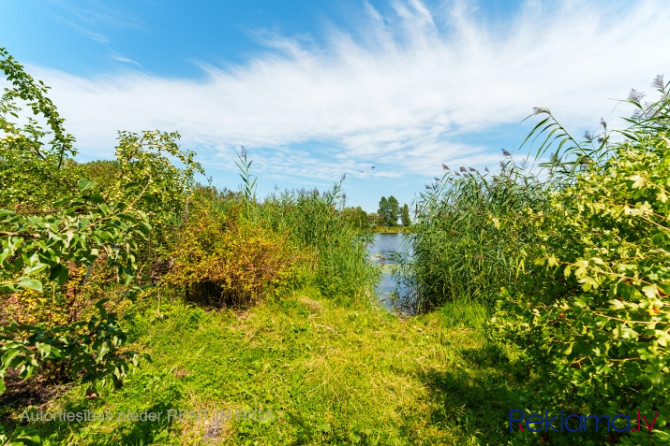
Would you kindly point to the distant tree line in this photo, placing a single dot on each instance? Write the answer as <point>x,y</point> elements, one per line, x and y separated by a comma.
<point>390,211</point>
<point>388,214</point>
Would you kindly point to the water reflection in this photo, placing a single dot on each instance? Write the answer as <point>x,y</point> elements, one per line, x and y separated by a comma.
<point>389,251</point>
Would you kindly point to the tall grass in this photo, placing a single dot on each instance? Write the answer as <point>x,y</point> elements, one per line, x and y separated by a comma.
<point>315,223</point>
<point>471,231</point>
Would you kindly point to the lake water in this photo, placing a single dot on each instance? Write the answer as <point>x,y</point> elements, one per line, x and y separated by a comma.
<point>387,251</point>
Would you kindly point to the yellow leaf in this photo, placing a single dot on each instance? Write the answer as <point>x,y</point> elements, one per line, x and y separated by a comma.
<point>588,283</point>
<point>638,181</point>
<point>650,291</point>
<point>496,222</point>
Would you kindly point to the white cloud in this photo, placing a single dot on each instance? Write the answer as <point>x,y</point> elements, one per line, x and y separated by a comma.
<point>402,89</point>
<point>119,58</point>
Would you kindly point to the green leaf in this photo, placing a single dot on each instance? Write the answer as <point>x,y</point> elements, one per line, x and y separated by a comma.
<point>44,349</point>
<point>9,356</point>
<point>26,440</point>
<point>104,349</point>
<point>33,284</point>
<point>85,184</point>
<point>5,212</point>
<point>568,350</point>
<point>628,292</point>
<point>616,304</point>
<point>59,273</point>
<point>96,199</point>
<point>637,180</point>
<point>35,268</point>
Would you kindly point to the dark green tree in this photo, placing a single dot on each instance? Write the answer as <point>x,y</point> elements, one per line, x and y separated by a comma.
<point>357,217</point>
<point>393,212</point>
<point>383,207</point>
<point>404,217</point>
<point>389,210</point>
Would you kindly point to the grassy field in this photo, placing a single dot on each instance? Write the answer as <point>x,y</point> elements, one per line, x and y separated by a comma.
<point>298,370</point>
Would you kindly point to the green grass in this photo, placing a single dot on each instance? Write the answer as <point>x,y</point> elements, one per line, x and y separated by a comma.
<point>314,223</point>
<point>328,374</point>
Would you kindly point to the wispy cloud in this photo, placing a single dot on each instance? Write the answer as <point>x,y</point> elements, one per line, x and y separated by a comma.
<point>400,91</point>
<point>97,13</point>
<point>84,30</point>
<point>119,58</point>
<point>91,18</point>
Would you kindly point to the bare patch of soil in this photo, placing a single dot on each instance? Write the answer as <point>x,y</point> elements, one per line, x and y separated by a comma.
<point>36,391</point>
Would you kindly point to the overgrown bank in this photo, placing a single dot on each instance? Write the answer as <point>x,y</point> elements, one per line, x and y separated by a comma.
<point>539,292</point>
<point>574,263</point>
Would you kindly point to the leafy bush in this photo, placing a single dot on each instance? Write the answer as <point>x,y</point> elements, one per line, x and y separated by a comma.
<point>357,218</point>
<point>580,262</point>
<point>37,252</point>
<point>592,313</point>
<point>147,158</point>
<point>31,167</point>
<point>58,230</point>
<point>222,258</point>
<point>233,249</point>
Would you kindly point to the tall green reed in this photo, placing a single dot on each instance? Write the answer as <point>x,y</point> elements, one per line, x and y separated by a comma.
<point>471,232</point>
<point>315,222</point>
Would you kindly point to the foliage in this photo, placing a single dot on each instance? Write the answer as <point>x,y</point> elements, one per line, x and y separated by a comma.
<point>356,217</point>
<point>146,158</point>
<point>404,216</point>
<point>302,234</point>
<point>248,187</point>
<point>91,350</point>
<point>36,248</point>
<point>30,167</point>
<point>58,228</point>
<point>471,232</point>
<point>19,439</point>
<point>593,309</point>
<point>315,224</point>
<point>375,220</point>
<point>39,251</point>
<point>222,258</point>
<point>389,210</point>
<point>105,172</point>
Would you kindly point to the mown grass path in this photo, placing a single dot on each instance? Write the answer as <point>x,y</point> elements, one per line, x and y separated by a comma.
<point>313,371</point>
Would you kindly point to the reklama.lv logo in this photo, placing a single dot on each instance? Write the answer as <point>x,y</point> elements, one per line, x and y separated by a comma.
<point>575,422</point>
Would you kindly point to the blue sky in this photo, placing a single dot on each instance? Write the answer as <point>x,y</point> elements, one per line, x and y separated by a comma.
<point>317,89</point>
